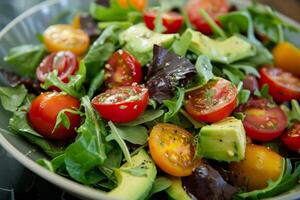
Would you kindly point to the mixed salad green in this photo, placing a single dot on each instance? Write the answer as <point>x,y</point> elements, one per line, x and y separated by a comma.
<point>179,100</point>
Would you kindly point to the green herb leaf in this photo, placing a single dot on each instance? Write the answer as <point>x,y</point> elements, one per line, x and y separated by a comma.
<point>247,68</point>
<point>195,123</point>
<point>292,114</point>
<point>134,134</point>
<point>181,45</point>
<point>160,184</point>
<point>96,83</point>
<point>12,98</point>
<point>24,59</point>
<point>233,74</point>
<point>204,69</point>
<point>213,25</point>
<point>264,93</point>
<point>239,115</point>
<point>243,94</point>
<point>147,116</point>
<point>63,119</point>
<point>173,105</point>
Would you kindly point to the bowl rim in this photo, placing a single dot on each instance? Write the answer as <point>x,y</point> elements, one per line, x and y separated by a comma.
<point>60,181</point>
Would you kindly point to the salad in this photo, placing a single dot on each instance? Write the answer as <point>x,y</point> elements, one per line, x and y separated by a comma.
<point>169,99</point>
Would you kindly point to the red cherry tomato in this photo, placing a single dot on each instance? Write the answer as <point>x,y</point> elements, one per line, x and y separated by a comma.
<point>263,121</point>
<point>214,8</point>
<point>212,102</point>
<point>43,113</point>
<point>172,21</point>
<point>65,62</point>
<point>122,104</point>
<point>283,86</point>
<point>291,138</point>
<point>122,69</point>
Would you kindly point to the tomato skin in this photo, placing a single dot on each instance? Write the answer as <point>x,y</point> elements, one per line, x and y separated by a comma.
<point>65,62</point>
<point>172,21</point>
<point>122,69</point>
<point>61,37</point>
<point>283,86</point>
<point>137,4</point>
<point>216,107</point>
<point>171,148</point>
<point>291,138</point>
<point>214,8</point>
<point>263,121</point>
<point>43,113</point>
<point>114,105</point>
<point>250,83</point>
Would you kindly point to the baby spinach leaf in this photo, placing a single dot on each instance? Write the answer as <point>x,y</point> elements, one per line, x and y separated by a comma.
<point>46,164</point>
<point>133,134</point>
<point>147,116</point>
<point>204,69</point>
<point>173,105</point>
<point>160,184</point>
<point>12,98</point>
<point>88,151</point>
<point>24,59</point>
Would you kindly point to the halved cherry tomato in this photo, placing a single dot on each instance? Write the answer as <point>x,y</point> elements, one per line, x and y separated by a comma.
<point>283,86</point>
<point>122,69</point>
<point>291,138</point>
<point>63,37</point>
<point>44,110</point>
<point>65,62</point>
<point>212,102</point>
<point>214,8</point>
<point>137,4</point>
<point>172,149</point>
<point>122,104</point>
<point>172,21</point>
<point>264,121</point>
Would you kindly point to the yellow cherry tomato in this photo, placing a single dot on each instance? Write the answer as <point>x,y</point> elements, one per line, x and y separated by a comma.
<point>287,57</point>
<point>137,4</point>
<point>63,37</point>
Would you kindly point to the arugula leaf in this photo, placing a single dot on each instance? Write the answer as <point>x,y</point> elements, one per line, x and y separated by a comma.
<point>134,134</point>
<point>101,50</point>
<point>247,68</point>
<point>195,123</point>
<point>204,69</point>
<point>116,136</point>
<point>24,59</point>
<point>181,45</point>
<point>96,83</point>
<point>120,24</point>
<point>243,94</point>
<point>264,93</point>
<point>174,105</point>
<point>213,25</point>
<point>88,151</point>
<point>73,87</point>
<point>62,118</point>
<point>12,98</point>
<point>46,164</point>
<point>160,184</point>
<point>292,114</point>
<point>233,74</point>
<point>56,165</point>
<point>147,116</point>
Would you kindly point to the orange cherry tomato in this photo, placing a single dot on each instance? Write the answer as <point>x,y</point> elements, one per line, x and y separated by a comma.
<point>137,4</point>
<point>63,37</point>
<point>287,57</point>
<point>172,149</point>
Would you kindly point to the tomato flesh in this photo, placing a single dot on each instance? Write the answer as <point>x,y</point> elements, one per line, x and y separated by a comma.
<point>283,86</point>
<point>171,148</point>
<point>263,121</point>
<point>214,8</point>
<point>212,102</point>
<point>122,104</point>
<point>172,21</point>
<point>291,138</point>
<point>65,62</point>
<point>61,37</point>
<point>122,69</point>
<point>43,113</point>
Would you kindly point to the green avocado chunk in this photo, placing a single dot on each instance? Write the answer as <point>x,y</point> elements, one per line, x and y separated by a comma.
<point>223,141</point>
<point>135,180</point>
<point>139,41</point>
<point>226,51</point>
<point>176,191</point>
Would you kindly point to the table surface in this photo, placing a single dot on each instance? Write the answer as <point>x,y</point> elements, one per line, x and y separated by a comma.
<point>18,183</point>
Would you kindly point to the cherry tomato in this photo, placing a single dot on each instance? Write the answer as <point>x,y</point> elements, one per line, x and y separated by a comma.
<point>122,104</point>
<point>250,83</point>
<point>122,69</point>
<point>283,86</point>
<point>65,62</point>
<point>172,21</point>
<point>62,37</point>
<point>137,4</point>
<point>212,102</point>
<point>263,121</point>
<point>291,138</point>
<point>44,110</point>
<point>214,8</point>
<point>172,149</point>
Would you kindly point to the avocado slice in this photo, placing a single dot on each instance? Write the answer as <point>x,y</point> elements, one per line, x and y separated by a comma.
<point>176,191</point>
<point>223,141</point>
<point>139,41</point>
<point>226,51</point>
<point>132,186</point>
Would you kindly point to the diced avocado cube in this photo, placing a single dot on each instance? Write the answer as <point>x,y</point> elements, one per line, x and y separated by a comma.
<point>223,141</point>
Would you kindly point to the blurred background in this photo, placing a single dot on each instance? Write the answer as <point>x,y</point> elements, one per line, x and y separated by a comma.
<point>18,183</point>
